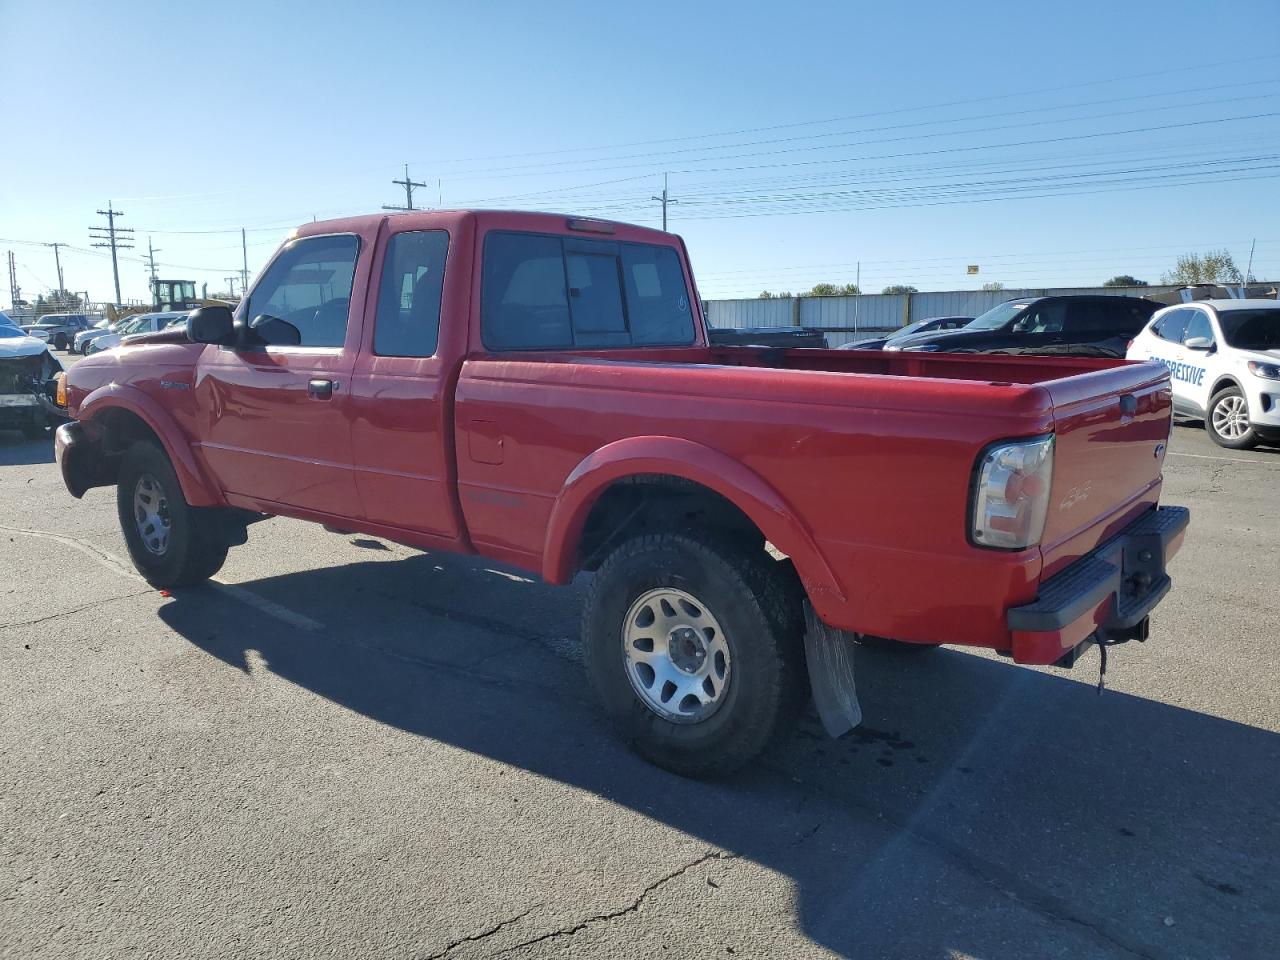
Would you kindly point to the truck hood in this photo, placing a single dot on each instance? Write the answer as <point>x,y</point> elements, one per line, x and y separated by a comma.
<point>21,347</point>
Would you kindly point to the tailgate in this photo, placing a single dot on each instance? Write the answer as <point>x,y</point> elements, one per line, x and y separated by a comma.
<point>1112,429</point>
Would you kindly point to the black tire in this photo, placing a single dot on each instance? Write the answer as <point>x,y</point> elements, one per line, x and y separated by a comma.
<point>60,342</point>
<point>196,547</point>
<point>1230,396</point>
<point>35,429</point>
<point>756,600</point>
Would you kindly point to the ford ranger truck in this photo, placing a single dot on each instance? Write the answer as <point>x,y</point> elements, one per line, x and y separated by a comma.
<point>539,390</point>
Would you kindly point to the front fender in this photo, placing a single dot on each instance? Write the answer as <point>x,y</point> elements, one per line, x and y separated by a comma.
<point>196,487</point>
<point>675,457</point>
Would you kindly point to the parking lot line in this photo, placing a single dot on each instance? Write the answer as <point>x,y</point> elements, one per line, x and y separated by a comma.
<point>269,607</point>
<point>97,554</point>
<point>1205,456</point>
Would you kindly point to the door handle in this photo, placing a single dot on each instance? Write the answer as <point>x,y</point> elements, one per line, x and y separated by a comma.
<point>321,389</point>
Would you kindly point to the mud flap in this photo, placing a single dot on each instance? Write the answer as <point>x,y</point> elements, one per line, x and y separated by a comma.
<point>829,653</point>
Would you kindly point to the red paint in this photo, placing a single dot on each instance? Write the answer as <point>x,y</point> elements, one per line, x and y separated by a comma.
<point>857,465</point>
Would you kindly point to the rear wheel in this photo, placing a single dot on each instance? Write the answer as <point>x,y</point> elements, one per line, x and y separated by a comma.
<point>171,543</point>
<point>694,649</point>
<point>1228,422</point>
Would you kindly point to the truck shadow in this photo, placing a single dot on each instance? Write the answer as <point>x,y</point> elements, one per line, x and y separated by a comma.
<point>979,801</point>
<point>16,450</point>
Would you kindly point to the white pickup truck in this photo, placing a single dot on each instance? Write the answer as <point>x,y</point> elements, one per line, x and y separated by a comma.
<point>1224,358</point>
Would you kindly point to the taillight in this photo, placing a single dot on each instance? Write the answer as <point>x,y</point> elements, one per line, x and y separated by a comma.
<point>1011,494</point>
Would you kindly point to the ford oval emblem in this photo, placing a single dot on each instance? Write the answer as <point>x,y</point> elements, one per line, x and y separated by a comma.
<point>1159,450</point>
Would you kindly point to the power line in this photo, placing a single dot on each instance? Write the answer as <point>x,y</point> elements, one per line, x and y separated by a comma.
<point>1234,63</point>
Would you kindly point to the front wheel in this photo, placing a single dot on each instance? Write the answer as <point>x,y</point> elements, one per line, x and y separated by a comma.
<point>694,649</point>
<point>60,341</point>
<point>171,543</point>
<point>1228,422</point>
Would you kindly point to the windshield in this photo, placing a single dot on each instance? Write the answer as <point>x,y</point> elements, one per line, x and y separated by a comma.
<point>1251,329</point>
<point>133,326</point>
<point>996,317</point>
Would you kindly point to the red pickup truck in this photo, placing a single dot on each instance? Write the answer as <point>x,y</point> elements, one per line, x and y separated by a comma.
<point>540,390</point>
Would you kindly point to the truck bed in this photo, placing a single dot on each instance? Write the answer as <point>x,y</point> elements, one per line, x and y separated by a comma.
<point>875,453</point>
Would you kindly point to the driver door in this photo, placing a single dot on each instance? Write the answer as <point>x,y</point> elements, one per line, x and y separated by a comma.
<point>274,416</point>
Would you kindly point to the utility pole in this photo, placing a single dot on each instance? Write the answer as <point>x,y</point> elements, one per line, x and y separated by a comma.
<point>58,262</point>
<point>151,267</point>
<point>665,200</point>
<point>408,192</point>
<point>114,237</point>
<point>231,284</point>
<point>15,291</point>
<point>244,273</point>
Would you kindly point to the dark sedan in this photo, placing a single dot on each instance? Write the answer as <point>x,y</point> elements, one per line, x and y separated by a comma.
<point>911,329</point>
<point>1076,326</point>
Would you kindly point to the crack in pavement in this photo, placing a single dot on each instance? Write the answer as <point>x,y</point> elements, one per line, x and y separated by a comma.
<point>74,610</point>
<point>622,911</point>
<point>102,557</point>
<point>483,935</point>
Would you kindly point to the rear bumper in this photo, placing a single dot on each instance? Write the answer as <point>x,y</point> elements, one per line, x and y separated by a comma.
<point>1111,590</point>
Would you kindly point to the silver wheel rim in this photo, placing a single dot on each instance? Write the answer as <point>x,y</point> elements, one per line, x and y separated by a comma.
<point>1231,417</point>
<point>676,655</point>
<point>151,514</point>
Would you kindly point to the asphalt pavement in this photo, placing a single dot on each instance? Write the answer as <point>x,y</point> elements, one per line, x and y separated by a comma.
<point>347,748</point>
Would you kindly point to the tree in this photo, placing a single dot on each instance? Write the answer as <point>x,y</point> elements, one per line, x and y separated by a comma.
<point>1216,266</point>
<point>1125,280</point>
<point>63,301</point>
<point>993,286</point>
<point>766,295</point>
<point>833,290</point>
<point>899,288</point>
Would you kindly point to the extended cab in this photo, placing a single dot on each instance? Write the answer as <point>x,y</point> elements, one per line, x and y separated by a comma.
<point>540,390</point>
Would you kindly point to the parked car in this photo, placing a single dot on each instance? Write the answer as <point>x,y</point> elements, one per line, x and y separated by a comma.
<point>1072,326</point>
<point>59,329</point>
<point>82,339</point>
<point>545,396</point>
<point>142,323</point>
<point>1224,359</point>
<point>920,326</point>
<point>27,372</point>
<point>767,336</point>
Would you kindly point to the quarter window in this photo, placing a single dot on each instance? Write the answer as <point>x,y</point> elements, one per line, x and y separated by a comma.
<point>305,296</point>
<point>545,292</point>
<point>1172,325</point>
<point>1198,326</point>
<point>408,320</point>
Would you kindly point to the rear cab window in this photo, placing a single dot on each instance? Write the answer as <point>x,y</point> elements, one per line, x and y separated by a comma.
<point>542,292</point>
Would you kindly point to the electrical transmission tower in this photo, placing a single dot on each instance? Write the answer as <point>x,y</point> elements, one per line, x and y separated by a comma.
<point>408,192</point>
<point>117,238</point>
<point>665,200</point>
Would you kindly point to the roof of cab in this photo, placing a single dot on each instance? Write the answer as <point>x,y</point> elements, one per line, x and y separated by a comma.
<point>525,220</point>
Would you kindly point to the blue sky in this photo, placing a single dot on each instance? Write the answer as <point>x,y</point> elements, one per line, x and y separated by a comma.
<point>800,138</point>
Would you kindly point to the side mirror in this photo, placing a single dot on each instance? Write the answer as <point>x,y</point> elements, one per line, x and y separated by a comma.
<point>272,331</point>
<point>1199,343</point>
<point>210,325</point>
<point>1022,326</point>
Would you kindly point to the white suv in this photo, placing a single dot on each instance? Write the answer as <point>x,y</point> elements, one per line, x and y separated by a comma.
<point>1224,357</point>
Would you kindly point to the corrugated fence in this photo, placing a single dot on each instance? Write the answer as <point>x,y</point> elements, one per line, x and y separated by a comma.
<point>859,318</point>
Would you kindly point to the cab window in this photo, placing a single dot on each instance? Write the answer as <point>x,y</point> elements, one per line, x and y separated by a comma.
<point>549,292</point>
<point>408,319</point>
<point>306,292</point>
